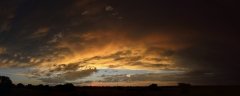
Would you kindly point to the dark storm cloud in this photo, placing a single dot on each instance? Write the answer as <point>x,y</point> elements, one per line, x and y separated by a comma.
<point>215,54</point>
<point>175,13</point>
<point>7,14</point>
<point>32,29</point>
<point>28,16</point>
<point>214,51</point>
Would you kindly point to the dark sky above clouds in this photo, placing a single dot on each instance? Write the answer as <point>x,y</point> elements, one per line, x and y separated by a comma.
<point>101,42</point>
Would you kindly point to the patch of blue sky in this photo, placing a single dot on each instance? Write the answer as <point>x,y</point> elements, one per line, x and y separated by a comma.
<point>99,75</point>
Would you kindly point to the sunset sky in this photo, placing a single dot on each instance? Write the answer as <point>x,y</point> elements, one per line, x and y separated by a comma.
<point>120,42</point>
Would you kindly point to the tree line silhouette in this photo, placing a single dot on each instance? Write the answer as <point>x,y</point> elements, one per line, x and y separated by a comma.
<point>7,88</point>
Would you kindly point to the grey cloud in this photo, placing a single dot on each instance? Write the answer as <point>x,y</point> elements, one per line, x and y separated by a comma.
<point>215,54</point>
<point>61,73</point>
<point>65,67</point>
<point>79,74</point>
<point>67,76</point>
<point>109,8</point>
<point>32,57</point>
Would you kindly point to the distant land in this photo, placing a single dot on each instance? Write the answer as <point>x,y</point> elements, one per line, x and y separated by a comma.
<point>7,88</point>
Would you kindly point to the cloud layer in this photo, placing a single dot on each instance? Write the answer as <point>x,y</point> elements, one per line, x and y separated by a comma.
<point>68,40</point>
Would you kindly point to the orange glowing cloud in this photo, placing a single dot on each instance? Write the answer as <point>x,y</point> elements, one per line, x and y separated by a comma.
<point>118,49</point>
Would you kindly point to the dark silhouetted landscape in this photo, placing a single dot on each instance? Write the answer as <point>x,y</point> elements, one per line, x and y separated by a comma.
<point>68,89</point>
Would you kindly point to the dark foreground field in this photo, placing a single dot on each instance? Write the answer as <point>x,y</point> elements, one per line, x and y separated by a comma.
<point>122,91</point>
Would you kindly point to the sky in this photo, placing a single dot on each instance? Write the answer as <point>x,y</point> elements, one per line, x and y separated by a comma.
<point>120,42</point>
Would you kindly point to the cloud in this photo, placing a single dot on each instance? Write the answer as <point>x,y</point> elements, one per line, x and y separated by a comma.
<point>64,37</point>
<point>109,8</point>
<point>130,59</point>
<point>7,15</point>
<point>33,37</point>
<point>79,74</point>
<point>43,32</point>
<point>213,54</point>
<point>67,76</point>
<point>48,36</point>
<point>62,73</point>
<point>2,50</point>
